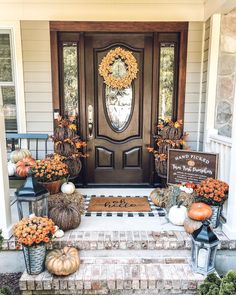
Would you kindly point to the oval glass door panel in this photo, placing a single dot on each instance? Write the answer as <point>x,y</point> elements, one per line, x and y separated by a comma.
<point>119,105</point>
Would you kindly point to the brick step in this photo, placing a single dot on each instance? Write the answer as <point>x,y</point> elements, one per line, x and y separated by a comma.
<point>123,240</point>
<point>132,240</point>
<point>116,277</point>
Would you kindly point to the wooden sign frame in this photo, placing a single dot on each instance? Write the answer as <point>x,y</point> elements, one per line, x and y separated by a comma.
<point>189,169</point>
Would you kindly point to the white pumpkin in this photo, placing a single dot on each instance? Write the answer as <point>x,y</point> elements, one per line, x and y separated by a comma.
<point>68,188</point>
<point>11,167</point>
<point>59,233</point>
<point>177,214</point>
<point>19,154</point>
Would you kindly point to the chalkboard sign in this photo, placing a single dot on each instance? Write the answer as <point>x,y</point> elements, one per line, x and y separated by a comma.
<point>189,166</point>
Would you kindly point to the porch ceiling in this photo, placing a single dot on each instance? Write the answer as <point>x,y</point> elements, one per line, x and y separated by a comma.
<point>112,10</point>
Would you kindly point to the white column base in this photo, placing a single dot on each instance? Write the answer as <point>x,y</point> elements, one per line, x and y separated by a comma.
<point>7,232</point>
<point>231,234</point>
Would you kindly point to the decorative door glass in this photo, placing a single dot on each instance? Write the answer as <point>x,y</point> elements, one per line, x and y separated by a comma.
<point>119,104</point>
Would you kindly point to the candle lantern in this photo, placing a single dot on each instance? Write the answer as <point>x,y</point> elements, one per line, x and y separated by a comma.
<point>204,247</point>
<point>33,194</point>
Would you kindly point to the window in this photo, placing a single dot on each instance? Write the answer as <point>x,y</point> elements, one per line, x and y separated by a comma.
<point>7,81</point>
<point>168,77</point>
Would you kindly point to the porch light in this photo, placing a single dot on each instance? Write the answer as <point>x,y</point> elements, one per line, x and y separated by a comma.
<point>35,195</point>
<point>204,247</point>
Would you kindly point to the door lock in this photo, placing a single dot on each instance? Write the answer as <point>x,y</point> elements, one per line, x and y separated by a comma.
<point>90,121</point>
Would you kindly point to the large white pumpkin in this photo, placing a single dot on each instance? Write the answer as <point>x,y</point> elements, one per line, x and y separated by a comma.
<point>19,154</point>
<point>177,214</point>
<point>68,188</point>
<point>11,167</point>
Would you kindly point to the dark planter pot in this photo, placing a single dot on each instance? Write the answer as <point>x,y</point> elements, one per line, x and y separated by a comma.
<point>53,187</point>
<point>215,218</point>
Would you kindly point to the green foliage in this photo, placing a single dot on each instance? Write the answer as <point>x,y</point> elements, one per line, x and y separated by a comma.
<point>210,285</point>
<point>228,284</point>
<point>213,285</point>
<point>1,239</point>
<point>6,291</point>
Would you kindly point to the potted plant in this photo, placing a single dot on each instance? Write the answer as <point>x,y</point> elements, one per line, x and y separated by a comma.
<point>33,233</point>
<point>212,192</point>
<point>50,172</point>
<point>68,145</point>
<point>169,134</point>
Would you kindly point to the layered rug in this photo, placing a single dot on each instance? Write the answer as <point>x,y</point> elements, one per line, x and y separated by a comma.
<point>128,206</point>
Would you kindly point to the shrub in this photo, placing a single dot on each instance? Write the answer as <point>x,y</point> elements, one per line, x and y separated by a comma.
<point>228,284</point>
<point>6,291</point>
<point>213,285</point>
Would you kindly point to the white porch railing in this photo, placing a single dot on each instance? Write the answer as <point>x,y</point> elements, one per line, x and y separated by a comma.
<point>221,145</point>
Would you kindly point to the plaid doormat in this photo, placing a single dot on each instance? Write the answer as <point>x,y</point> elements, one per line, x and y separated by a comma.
<point>155,211</point>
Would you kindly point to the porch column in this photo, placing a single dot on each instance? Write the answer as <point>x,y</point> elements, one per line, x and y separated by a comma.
<point>5,211</point>
<point>230,227</point>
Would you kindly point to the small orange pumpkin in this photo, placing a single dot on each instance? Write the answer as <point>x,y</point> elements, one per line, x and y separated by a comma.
<point>199,211</point>
<point>23,166</point>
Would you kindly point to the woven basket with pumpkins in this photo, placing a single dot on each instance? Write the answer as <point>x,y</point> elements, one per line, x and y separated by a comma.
<point>169,135</point>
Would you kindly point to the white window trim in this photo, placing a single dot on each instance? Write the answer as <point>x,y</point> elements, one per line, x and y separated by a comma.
<point>18,76</point>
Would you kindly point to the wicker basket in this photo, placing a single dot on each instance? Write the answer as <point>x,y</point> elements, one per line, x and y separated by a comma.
<point>34,258</point>
<point>161,168</point>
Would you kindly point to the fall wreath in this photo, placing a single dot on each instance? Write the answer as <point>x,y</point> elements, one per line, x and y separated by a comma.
<point>123,59</point>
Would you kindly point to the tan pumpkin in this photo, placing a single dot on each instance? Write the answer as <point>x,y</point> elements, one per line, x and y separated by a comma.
<point>65,215</point>
<point>23,166</point>
<point>63,262</point>
<point>19,154</point>
<point>191,225</point>
<point>199,211</point>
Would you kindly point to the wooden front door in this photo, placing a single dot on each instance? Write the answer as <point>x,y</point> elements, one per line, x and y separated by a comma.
<point>118,123</point>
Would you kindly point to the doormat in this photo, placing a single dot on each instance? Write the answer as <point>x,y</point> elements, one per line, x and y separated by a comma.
<point>118,204</point>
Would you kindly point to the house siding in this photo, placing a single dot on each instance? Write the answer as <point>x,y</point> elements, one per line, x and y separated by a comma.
<point>37,76</point>
<point>38,88</point>
<point>194,104</point>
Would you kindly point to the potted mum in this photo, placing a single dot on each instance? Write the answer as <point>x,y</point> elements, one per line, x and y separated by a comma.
<point>50,172</point>
<point>33,233</point>
<point>213,192</point>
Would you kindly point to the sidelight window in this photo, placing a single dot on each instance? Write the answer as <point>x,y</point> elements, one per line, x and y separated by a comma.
<point>7,81</point>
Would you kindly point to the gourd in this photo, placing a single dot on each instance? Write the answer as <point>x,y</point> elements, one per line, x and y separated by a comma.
<point>68,188</point>
<point>199,211</point>
<point>65,215</point>
<point>191,225</point>
<point>23,166</point>
<point>19,154</point>
<point>177,214</point>
<point>63,262</point>
<point>59,233</point>
<point>11,167</point>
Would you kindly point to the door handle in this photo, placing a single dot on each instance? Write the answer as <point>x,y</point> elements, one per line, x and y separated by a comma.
<point>90,120</point>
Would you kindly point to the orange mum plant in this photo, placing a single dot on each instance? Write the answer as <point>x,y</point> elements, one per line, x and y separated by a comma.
<point>48,170</point>
<point>211,191</point>
<point>34,230</point>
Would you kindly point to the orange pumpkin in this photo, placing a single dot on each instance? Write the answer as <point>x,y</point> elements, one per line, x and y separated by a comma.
<point>199,211</point>
<point>23,166</point>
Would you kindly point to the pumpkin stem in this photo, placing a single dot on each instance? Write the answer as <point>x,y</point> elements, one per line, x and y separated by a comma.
<point>67,178</point>
<point>179,204</point>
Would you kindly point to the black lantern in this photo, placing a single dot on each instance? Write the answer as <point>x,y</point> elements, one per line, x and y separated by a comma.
<point>204,247</point>
<point>35,195</point>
